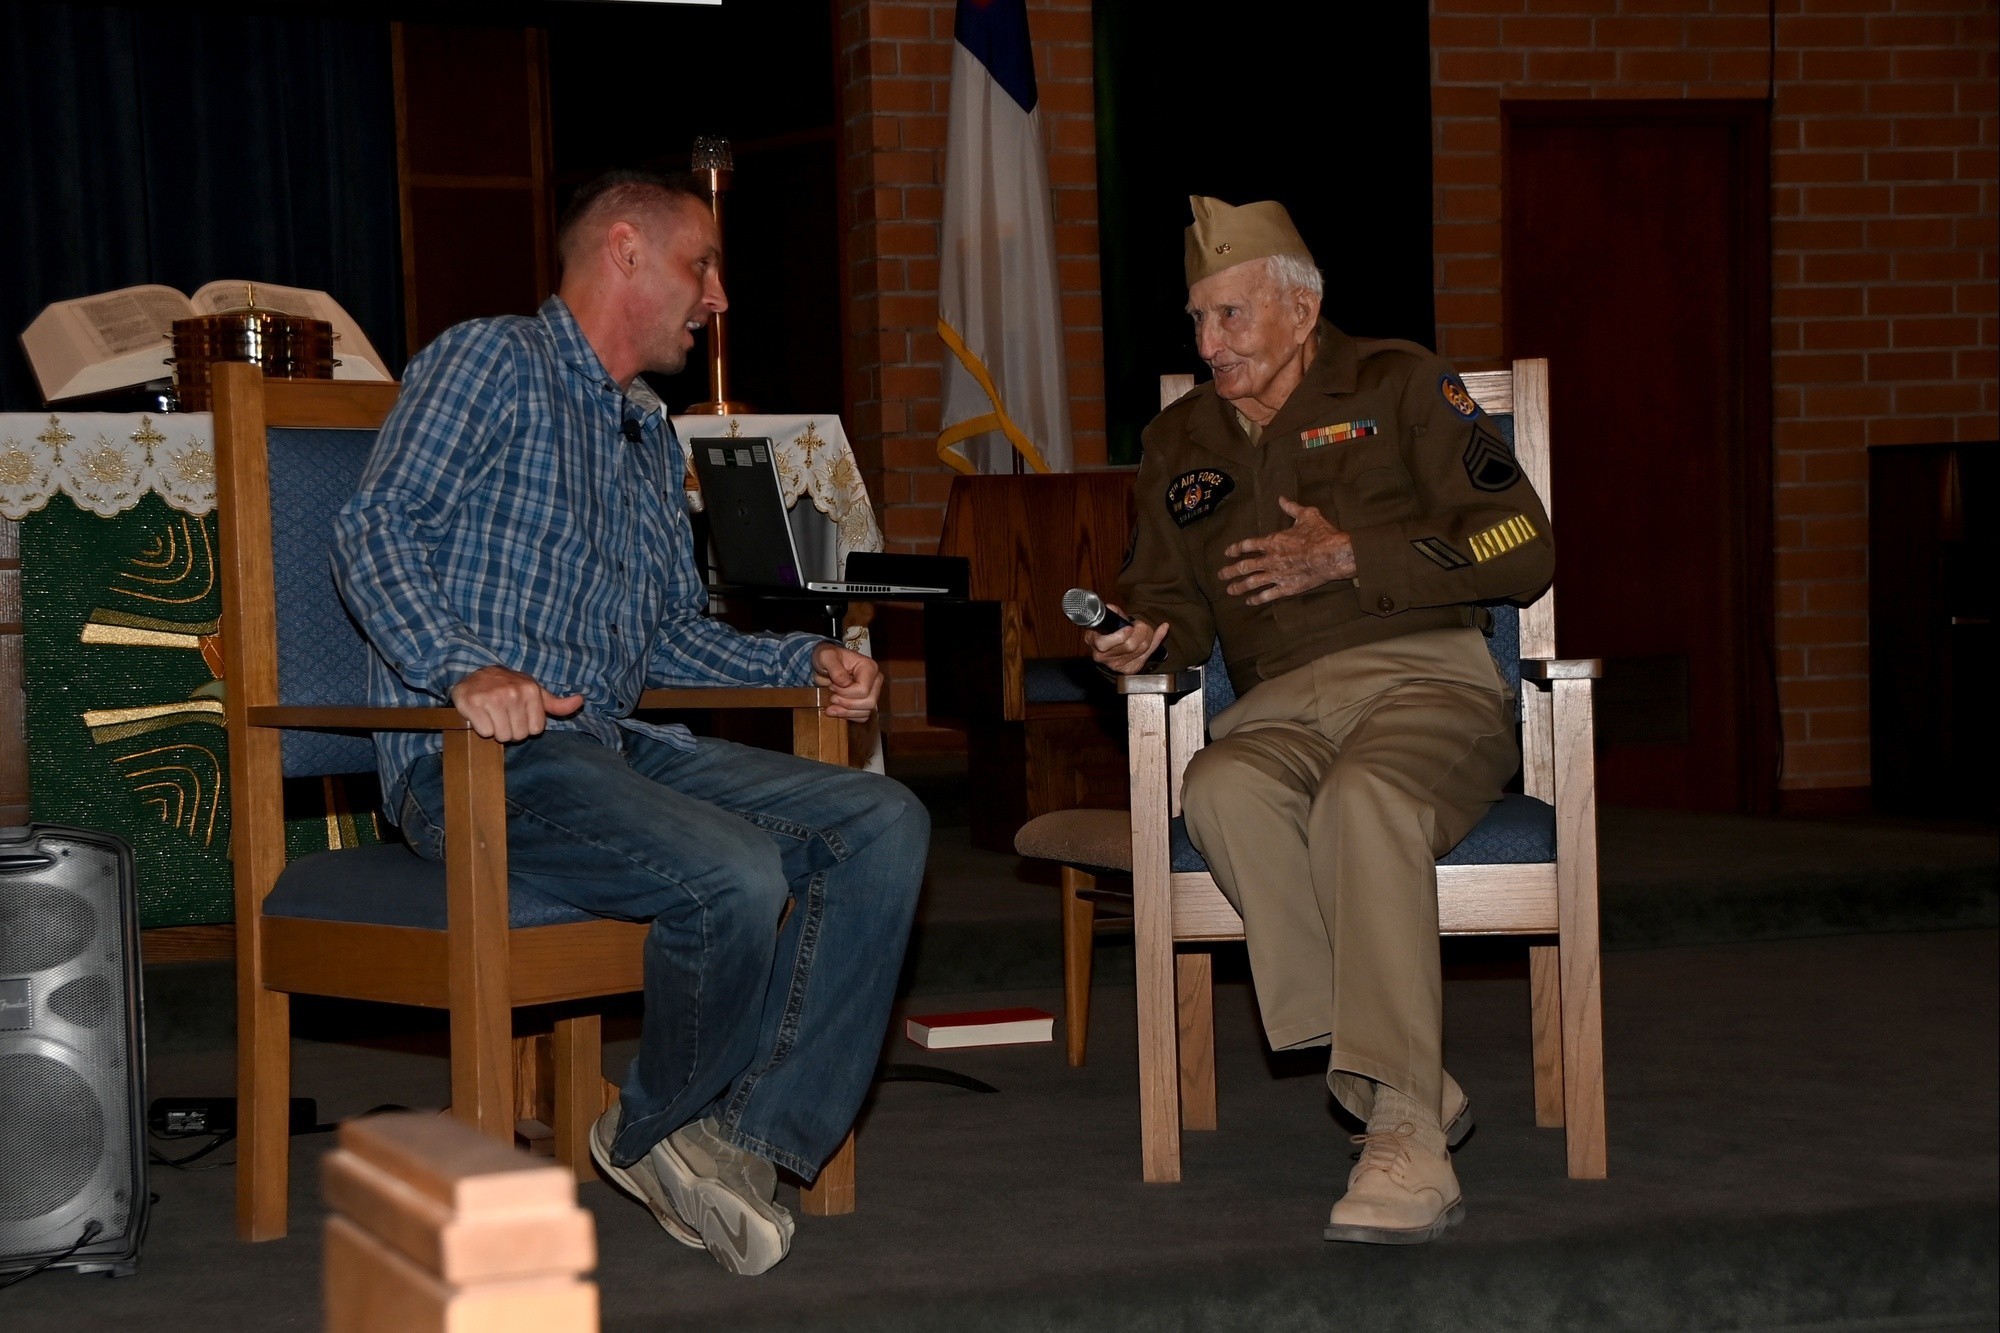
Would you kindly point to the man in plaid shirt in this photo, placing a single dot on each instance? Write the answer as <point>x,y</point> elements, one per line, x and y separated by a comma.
<point>519,547</point>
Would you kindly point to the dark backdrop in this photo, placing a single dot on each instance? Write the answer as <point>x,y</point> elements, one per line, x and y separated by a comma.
<point>632,85</point>
<point>1325,108</point>
<point>179,144</point>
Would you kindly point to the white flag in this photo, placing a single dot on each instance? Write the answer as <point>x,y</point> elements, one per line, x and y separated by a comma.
<point>999,300</point>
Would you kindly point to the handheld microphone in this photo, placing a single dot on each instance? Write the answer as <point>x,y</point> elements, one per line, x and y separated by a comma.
<point>1088,611</point>
<point>630,430</point>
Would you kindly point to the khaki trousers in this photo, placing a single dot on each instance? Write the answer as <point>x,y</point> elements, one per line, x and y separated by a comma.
<point>1321,806</point>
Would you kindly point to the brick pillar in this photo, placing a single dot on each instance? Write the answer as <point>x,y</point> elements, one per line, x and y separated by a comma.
<point>895,84</point>
<point>1883,265</point>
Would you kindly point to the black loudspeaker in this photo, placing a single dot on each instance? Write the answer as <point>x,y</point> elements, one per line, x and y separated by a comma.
<point>72,1053</point>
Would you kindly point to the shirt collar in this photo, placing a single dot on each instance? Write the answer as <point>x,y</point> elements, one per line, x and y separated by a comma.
<point>571,345</point>
<point>1333,371</point>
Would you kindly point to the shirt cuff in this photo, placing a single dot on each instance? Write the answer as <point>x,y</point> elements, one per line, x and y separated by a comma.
<point>1381,569</point>
<point>442,675</point>
<point>795,658</point>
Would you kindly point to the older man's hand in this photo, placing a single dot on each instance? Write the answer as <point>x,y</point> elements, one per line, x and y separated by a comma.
<point>1127,650</point>
<point>854,678</point>
<point>1304,556</point>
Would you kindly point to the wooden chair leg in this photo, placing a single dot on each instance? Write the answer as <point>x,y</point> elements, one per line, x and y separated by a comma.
<point>1194,986</point>
<point>263,1124</point>
<point>482,1019</point>
<point>1545,1020</point>
<point>1079,923</point>
<point>534,1093</point>
<point>576,1093</point>
<point>1583,1059</point>
<point>1579,933</point>
<point>832,1195</point>
<point>1153,945</point>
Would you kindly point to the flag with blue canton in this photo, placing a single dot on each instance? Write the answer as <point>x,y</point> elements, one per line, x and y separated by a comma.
<point>1006,386</point>
<point>995,33</point>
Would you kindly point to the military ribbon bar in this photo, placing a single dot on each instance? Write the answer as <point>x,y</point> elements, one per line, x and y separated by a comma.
<point>1346,430</point>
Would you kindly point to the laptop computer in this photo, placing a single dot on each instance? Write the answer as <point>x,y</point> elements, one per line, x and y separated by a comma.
<point>754,547</point>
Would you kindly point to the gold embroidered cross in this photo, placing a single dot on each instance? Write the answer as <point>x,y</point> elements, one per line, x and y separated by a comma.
<point>808,441</point>
<point>55,437</point>
<point>147,435</point>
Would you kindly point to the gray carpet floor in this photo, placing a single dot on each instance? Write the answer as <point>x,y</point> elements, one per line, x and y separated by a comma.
<point>1803,1135</point>
<point>1800,1028</point>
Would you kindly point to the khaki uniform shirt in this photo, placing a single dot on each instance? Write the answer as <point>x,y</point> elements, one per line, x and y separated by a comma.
<point>1383,439</point>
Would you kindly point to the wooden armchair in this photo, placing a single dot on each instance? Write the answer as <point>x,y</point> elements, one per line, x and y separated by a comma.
<point>1530,868</point>
<point>1041,723</point>
<point>381,923</point>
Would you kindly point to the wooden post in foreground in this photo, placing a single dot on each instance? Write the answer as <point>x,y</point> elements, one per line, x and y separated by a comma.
<point>439,1229</point>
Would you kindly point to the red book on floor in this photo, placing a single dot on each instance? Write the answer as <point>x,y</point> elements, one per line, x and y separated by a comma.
<point>983,1027</point>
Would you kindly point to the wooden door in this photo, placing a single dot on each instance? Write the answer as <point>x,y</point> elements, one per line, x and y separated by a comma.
<point>473,161</point>
<point>1636,258</point>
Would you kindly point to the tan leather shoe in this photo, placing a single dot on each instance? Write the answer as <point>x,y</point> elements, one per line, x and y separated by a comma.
<point>1398,1193</point>
<point>1458,1124</point>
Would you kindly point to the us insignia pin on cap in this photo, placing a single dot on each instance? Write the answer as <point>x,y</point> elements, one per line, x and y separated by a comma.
<point>1225,235</point>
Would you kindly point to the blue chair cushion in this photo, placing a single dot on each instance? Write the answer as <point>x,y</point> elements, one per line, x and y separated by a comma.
<point>1518,830</point>
<point>390,885</point>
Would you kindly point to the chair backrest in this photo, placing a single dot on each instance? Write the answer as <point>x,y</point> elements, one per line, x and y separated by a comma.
<point>322,656</point>
<point>1517,400</point>
<point>288,454</point>
<point>1032,538</point>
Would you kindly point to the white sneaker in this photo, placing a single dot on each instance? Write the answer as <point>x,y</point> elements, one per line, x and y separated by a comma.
<point>727,1193</point>
<point>639,1181</point>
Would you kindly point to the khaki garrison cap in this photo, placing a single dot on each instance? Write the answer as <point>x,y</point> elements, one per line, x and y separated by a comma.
<point>1224,235</point>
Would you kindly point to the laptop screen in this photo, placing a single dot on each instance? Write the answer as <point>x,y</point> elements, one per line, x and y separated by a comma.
<point>746,512</point>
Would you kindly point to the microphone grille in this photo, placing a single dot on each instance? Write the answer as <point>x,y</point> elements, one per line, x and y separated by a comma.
<point>1083,607</point>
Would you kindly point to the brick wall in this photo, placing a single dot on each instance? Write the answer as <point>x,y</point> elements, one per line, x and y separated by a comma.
<point>1883,265</point>
<point>895,76</point>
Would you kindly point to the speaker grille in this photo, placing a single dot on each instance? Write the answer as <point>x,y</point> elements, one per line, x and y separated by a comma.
<point>42,928</point>
<point>55,1131</point>
<point>85,1002</point>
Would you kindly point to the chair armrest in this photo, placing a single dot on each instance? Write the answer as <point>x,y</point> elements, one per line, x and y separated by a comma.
<point>737,696</point>
<point>356,717</point>
<point>972,662</point>
<point>1161,682</point>
<point>1561,668</point>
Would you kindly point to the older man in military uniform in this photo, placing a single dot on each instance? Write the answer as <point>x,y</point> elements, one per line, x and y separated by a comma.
<point>1334,510</point>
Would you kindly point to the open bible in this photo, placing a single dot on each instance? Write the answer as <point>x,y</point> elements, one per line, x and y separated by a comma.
<point>114,340</point>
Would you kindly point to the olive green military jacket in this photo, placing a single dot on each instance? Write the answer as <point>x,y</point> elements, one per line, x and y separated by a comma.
<point>1382,438</point>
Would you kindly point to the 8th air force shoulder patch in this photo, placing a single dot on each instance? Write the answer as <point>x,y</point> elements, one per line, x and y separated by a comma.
<point>1489,464</point>
<point>1194,495</point>
<point>1455,396</point>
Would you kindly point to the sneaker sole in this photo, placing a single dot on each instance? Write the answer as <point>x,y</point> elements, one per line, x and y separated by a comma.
<point>636,1184</point>
<point>741,1239</point>
<point>1460,1129</point>
<point>1450,1218</point>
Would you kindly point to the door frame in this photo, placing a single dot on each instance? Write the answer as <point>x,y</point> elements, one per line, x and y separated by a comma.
<point>1750,502</point>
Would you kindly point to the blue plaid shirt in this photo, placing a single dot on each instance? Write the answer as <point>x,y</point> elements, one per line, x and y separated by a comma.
<point>504,520</point>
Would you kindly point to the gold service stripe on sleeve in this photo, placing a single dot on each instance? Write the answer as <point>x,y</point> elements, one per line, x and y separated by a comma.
<point>1501,538</point>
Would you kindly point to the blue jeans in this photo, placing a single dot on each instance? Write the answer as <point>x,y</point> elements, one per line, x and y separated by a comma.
<point>774,1032</point>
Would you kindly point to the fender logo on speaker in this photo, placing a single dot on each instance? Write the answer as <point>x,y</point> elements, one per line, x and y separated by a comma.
<point>17,1004</point>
